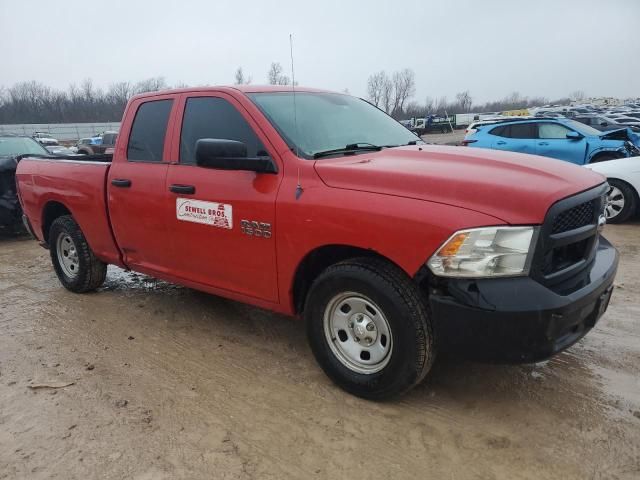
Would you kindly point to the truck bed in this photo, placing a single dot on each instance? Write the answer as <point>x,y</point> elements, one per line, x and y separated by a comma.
<point>102,157</point>
<point>77,184</point>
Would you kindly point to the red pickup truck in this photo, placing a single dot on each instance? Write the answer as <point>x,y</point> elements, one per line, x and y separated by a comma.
<point>318,204</point>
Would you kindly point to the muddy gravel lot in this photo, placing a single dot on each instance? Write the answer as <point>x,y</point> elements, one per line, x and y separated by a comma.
<point>146,380</point>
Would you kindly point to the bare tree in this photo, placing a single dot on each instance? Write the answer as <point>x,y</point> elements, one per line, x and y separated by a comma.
<point>577,96</point>
<point>440,105</point>
<point>86,87</point>
<point>387,96</point>
<point>428,105</point>
<point>376,84</point>
<point>275,75</point>
<point>120,92</point>
<point>150,85</point>
<point>464,100</point>
<point>240,79</point>
<point>404,87</point>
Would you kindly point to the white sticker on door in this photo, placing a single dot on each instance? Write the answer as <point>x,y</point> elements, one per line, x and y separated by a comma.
<point>208,213</point>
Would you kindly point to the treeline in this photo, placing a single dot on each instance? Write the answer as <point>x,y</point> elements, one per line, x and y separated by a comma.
<point>33,102</point>
<point>394,94</point>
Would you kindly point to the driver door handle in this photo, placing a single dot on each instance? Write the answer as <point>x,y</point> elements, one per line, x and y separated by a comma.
<point>544,144</point>
<point>121,182</point>
<point>500,142</point>
<point>184,189</point>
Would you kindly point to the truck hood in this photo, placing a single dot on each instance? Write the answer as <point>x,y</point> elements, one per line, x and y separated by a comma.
<point>514,188</point>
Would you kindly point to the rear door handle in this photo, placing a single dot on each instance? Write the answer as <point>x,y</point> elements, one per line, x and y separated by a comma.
<point>500,142</point>
<point>544,144</point>
<point>121,182</point>
<point>186,189</point>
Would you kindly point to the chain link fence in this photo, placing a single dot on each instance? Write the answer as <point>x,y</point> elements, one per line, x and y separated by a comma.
<point>66,132</point>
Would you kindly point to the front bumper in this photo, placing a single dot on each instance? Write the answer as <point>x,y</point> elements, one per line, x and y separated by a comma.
<point>519,319</point>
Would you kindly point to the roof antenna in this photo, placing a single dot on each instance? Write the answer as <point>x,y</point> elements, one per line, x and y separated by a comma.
<point>299,188</point>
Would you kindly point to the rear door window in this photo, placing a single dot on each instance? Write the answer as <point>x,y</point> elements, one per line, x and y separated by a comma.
<point>522,130</point>
<point>146,141</point>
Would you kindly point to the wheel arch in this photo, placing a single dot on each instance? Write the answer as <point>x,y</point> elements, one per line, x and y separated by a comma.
<point>52,210</point>
<point>317,260</point>
<point>597,156</point>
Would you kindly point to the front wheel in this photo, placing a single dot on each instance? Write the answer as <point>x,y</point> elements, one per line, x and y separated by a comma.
<point>76,266</point>
<point>621,201</point>
<point>369,328</point>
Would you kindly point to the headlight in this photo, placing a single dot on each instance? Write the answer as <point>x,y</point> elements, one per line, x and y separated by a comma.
<point>485,252</point>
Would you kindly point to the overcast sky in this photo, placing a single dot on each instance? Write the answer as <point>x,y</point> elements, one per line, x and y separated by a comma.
<point>490,47</point>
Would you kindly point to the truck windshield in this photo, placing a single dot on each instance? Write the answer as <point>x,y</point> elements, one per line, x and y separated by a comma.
<point>14,146</point>
<point>329,121</point>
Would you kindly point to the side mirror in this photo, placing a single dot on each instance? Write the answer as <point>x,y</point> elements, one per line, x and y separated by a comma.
<point>225,154</point>
<point>574,136</point>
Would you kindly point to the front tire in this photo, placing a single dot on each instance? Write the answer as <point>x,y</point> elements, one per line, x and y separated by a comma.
<point>621,201</point>
<point>369,328</point>
<point>76,266</point>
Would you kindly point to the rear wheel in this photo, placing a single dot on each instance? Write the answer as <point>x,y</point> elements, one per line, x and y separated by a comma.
<point>76,266</point>
<point>369,328</point>
<point>621,201</point>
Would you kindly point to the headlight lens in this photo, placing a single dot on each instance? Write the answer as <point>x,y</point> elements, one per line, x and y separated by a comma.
<point>485,252</point>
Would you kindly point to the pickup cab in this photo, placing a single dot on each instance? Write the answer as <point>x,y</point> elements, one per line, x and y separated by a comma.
<point>319,205</point>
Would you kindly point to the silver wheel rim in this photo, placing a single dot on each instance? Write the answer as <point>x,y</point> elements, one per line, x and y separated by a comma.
<point>615,203</point>
<point>358,333</point>
<point>67,255</point>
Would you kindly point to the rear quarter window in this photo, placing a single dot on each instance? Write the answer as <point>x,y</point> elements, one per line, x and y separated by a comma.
<point>501,131</point>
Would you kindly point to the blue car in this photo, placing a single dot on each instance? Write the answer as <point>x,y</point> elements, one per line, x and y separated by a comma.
<point>559,138</point>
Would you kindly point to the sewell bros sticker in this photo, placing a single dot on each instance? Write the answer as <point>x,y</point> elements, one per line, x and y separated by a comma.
<point>209,213</point>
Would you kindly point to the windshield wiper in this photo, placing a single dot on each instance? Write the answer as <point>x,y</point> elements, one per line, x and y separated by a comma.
<point>350,148</point>
<point>412,142</point>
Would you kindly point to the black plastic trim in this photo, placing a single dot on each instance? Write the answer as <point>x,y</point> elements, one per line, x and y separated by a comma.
<point>520,319</point>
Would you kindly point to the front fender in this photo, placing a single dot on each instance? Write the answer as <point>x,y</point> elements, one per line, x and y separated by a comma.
<point>403,230</point>
<point>596,150</point>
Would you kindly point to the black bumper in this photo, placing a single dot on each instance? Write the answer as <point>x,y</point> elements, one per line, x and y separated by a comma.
<point>519,319</point>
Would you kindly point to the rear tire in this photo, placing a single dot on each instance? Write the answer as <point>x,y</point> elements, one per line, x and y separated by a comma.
<point>76,266</point>
<point>621,201</point>
<point>369,328</point>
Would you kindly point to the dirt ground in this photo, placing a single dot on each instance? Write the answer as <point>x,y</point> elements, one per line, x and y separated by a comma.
<point>451,138</point>
<point>166,383</point>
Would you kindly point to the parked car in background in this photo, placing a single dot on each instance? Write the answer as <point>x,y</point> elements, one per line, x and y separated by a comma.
<point>599,122</point>
<point>44,138</point>
<point>97,145</point>
<point>474,126</point>
<point>60,150</point>
<point>605,124</point>
<point>626,120</point>
<point>563,139</point>
<point>623,176</point>
<point>11,148</point>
